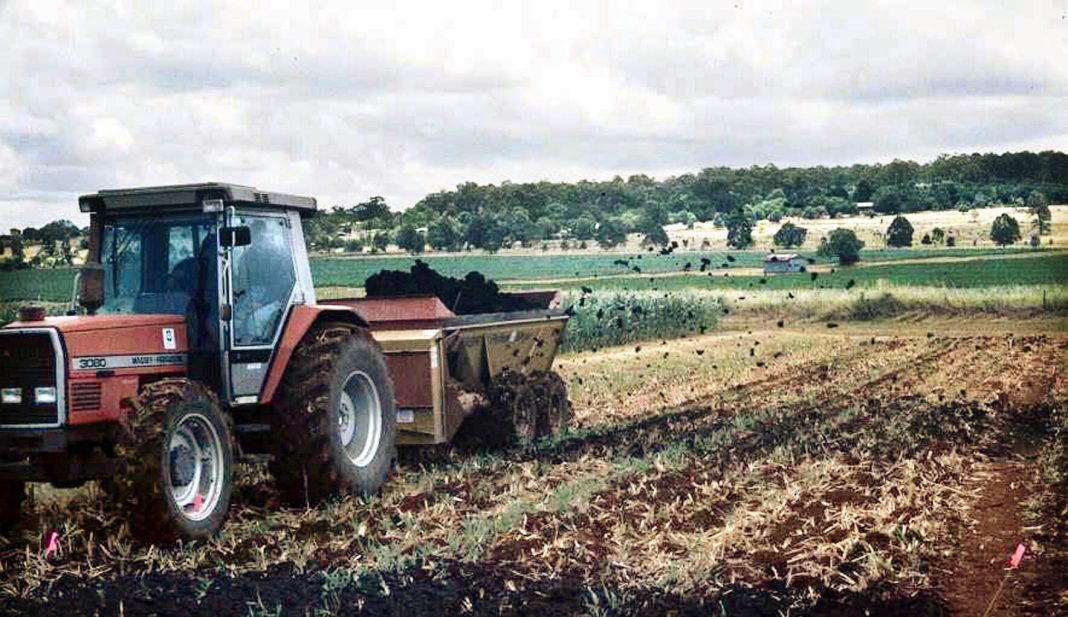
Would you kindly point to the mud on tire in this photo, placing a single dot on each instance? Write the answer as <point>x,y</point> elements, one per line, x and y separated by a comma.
<point>175,463</point>
<point>520,409</point>
<point>554,408</point>
<point>334,419</point>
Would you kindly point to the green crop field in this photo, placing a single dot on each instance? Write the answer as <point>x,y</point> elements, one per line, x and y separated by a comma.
<point>54,285</point>
<point>51,285</point>
<point>351,272</point>
<point>986,272</point>
<point>606,318</point>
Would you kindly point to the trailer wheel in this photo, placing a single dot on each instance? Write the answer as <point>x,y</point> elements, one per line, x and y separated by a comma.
<point>334,420</point>
<point>12,494</point>
<point>515,402</point>
<point>555,409</point>
<point>176,463</point>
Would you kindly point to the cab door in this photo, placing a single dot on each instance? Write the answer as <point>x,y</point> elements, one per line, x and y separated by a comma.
<point>262,279</point>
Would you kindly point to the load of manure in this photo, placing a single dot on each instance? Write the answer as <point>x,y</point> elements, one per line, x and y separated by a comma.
<point>472,294</point>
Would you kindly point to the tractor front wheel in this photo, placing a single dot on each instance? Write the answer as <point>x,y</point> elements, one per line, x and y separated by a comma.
<point>176,464</point>
<point>334,419</point>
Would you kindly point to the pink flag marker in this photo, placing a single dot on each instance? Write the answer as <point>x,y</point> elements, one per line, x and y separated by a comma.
<point>1017,556</point>
<point>198,503</point>
<point>53,544</point>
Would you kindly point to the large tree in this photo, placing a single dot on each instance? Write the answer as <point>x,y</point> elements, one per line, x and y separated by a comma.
<point>485,231</point>
<point>739,229</point>
<point>373,208</point>
<point>584,228</point>
<point>790,235</point>
<point>900,232</point>
<point>444,234</point>
<point>863,190</point>
<point>411,239</point>
<point>842,244</point>
<point>610,233</point>
<point>1005,230</point>
<point>1039,206</point>
<point>58,231</point>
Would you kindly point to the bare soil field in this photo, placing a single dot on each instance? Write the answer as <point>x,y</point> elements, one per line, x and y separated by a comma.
<point>885,469</point>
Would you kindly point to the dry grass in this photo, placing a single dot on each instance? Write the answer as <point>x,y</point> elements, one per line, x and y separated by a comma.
<point>968,227</point>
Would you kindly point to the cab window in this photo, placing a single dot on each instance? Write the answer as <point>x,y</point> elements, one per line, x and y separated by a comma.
<point>158,265</point>
<point>262,279</point>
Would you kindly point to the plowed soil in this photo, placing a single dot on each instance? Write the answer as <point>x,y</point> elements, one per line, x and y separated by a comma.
<point>772,472</point>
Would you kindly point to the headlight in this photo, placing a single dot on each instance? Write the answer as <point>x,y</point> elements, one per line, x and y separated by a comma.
<point>44,396</point>
<point>11,396</point>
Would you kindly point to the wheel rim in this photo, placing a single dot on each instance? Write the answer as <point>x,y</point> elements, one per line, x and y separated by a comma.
<point>359,418</point>
<point>195,454</point>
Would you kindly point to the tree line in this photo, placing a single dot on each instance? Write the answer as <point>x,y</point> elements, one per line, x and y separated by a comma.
<point>492,217</point>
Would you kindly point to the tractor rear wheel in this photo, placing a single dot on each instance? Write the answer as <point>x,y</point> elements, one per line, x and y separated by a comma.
<point>334,418</point>
<point>176,464</point>
<point>12,494</point>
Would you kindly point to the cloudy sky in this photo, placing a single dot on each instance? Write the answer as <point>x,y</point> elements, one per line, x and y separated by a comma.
<point>400,99</point>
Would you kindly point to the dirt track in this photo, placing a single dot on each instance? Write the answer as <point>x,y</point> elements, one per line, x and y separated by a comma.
<point>774,471</point>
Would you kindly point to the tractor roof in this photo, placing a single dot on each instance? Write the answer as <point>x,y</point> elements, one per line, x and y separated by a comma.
<point>190,196</point>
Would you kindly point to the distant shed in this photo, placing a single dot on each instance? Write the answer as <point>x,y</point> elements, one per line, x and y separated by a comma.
<point>785,263</point>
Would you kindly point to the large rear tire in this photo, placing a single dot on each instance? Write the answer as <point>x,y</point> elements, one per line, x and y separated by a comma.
<point>334,418</point>
<point>176,464</point>
<point>12,494</point>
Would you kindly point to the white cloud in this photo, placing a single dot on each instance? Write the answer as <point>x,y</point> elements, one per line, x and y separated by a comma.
<point>10,168</point>
<point>403,99</point>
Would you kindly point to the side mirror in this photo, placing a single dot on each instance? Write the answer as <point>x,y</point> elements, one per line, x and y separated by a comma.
<point>91,287</point>
<point>235,236</point>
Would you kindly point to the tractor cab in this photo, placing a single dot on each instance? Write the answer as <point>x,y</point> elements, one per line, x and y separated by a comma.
<point>229,259</point>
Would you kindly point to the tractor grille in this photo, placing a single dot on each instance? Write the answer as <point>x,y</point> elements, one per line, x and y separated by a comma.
<point>85,396</point>
<point>27,361</point>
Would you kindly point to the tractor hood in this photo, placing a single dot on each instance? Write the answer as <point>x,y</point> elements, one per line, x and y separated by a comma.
<point>98,335</point>
<point>95,323</point>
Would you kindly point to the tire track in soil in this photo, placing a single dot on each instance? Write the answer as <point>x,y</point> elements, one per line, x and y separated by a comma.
<point>976,580</point>
<point>978,569</point>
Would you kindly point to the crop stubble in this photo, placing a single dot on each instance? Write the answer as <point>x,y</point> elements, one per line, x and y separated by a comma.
<point>832,472</point>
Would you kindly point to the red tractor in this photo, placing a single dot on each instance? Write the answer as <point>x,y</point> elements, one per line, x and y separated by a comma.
<point>200,342</point>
